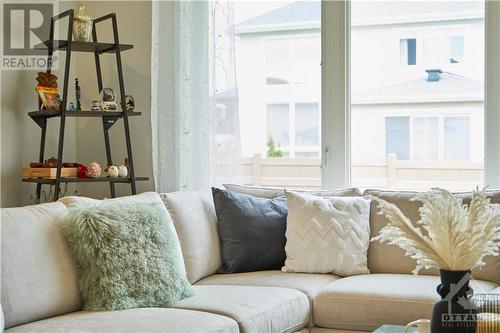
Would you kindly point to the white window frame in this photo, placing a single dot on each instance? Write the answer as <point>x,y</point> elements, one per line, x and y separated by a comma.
<point>335,94</point>
<point>492,97</point>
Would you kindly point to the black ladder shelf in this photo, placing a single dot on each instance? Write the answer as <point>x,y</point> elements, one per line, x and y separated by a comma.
<point>108,118</point>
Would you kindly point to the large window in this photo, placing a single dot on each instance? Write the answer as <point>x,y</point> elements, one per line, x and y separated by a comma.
<point>278,58</point>
<point>425,119</point>
<point>391,96</point>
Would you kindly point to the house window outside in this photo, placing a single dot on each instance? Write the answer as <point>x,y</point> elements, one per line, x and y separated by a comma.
<point>307,124</point>
<point>278,124</point>
<point>457,138</point>
<point>456,49</point>
<point>294,128</point>
<point>397,137</point>
<point>426,135</point>
<point>408,47</point>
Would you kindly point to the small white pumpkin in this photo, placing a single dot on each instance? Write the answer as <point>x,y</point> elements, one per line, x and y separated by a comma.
<point>113,171</point>
<point>122,171</point>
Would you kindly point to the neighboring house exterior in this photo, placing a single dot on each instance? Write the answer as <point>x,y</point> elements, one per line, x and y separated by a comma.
<point>397,107</point>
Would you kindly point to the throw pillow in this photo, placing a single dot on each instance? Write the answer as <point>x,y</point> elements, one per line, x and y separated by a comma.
<point>251,230</point>
<point>273,192</point>
<point>327,235</point>
<point>195,221</point>
<point>128,256</point>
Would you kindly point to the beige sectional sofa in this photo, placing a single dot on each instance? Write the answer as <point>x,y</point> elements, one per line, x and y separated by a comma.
<point>40,293</point>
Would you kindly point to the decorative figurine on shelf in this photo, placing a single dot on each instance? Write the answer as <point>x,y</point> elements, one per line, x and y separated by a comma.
<point>82,171</point>
<point>107,98</point>
<point>94,170</point>
<point>82,25</point>
<point>48,96</point>
<point>46,80</point>
<point>50,163</point>
<point>78,95</point>
<point>112,171</point>
<point>95,106</point>
<point>129,103</point>
<point>123,169</point>
<point>71,106</point>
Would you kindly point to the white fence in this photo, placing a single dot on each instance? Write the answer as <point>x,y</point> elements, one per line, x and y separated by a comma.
<point>389,173</point>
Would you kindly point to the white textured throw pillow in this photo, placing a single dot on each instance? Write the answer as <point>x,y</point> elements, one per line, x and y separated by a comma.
<point>327,235</point>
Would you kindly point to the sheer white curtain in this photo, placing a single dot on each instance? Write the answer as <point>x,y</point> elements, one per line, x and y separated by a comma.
<point>194,116</point>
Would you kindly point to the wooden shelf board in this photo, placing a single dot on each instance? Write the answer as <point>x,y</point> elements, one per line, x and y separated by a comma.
<point>84,180</point>
<point>56,113</point>
<point>81,46</point>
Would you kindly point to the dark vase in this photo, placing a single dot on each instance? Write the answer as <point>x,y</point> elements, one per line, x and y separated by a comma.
<point>454,312</point>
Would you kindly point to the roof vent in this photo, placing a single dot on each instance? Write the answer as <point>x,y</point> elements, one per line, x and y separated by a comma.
<point>433,75</point>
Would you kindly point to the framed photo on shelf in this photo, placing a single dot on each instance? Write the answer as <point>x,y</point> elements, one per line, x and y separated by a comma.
<point>50,98</point>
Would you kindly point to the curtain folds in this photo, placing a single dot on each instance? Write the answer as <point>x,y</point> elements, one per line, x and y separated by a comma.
<point>194,114</point>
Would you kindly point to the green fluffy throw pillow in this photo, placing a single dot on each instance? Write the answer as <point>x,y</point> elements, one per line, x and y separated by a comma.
<point>128,256</point>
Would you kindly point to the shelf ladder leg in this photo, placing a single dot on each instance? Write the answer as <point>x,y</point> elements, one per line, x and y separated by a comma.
<point>43,122</point>
<point>105,127</point>
<point>63,108</point>
<point>123,105</point>
<point>42,153</point>
<point>108,153</point>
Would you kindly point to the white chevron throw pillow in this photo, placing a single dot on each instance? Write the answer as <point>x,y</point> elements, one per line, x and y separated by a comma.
<point>327,235</point>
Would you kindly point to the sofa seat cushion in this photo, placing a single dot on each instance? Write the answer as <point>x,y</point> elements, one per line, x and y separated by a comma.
<point>150,320</point>
<point>255,309</point>
<point>309,284</point>
<point>365,302</point>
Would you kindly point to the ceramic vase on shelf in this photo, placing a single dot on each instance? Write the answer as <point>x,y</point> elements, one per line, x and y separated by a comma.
<point>82,25</point>
<point>454,312</point>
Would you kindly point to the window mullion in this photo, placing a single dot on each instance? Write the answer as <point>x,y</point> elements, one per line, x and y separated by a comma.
<point>335,94</point>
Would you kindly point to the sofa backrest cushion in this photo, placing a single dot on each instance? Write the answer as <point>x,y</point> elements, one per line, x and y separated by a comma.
<point>195,220</point>
<point>39,277</point>
<point>71,201</point>
<point>273,192</point>
<point>385,258</point>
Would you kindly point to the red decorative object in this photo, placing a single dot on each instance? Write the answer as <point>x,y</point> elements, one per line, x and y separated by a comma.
<point>82,170</point>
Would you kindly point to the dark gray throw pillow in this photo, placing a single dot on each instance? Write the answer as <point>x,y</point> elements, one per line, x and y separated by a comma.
<point>252,231</point>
